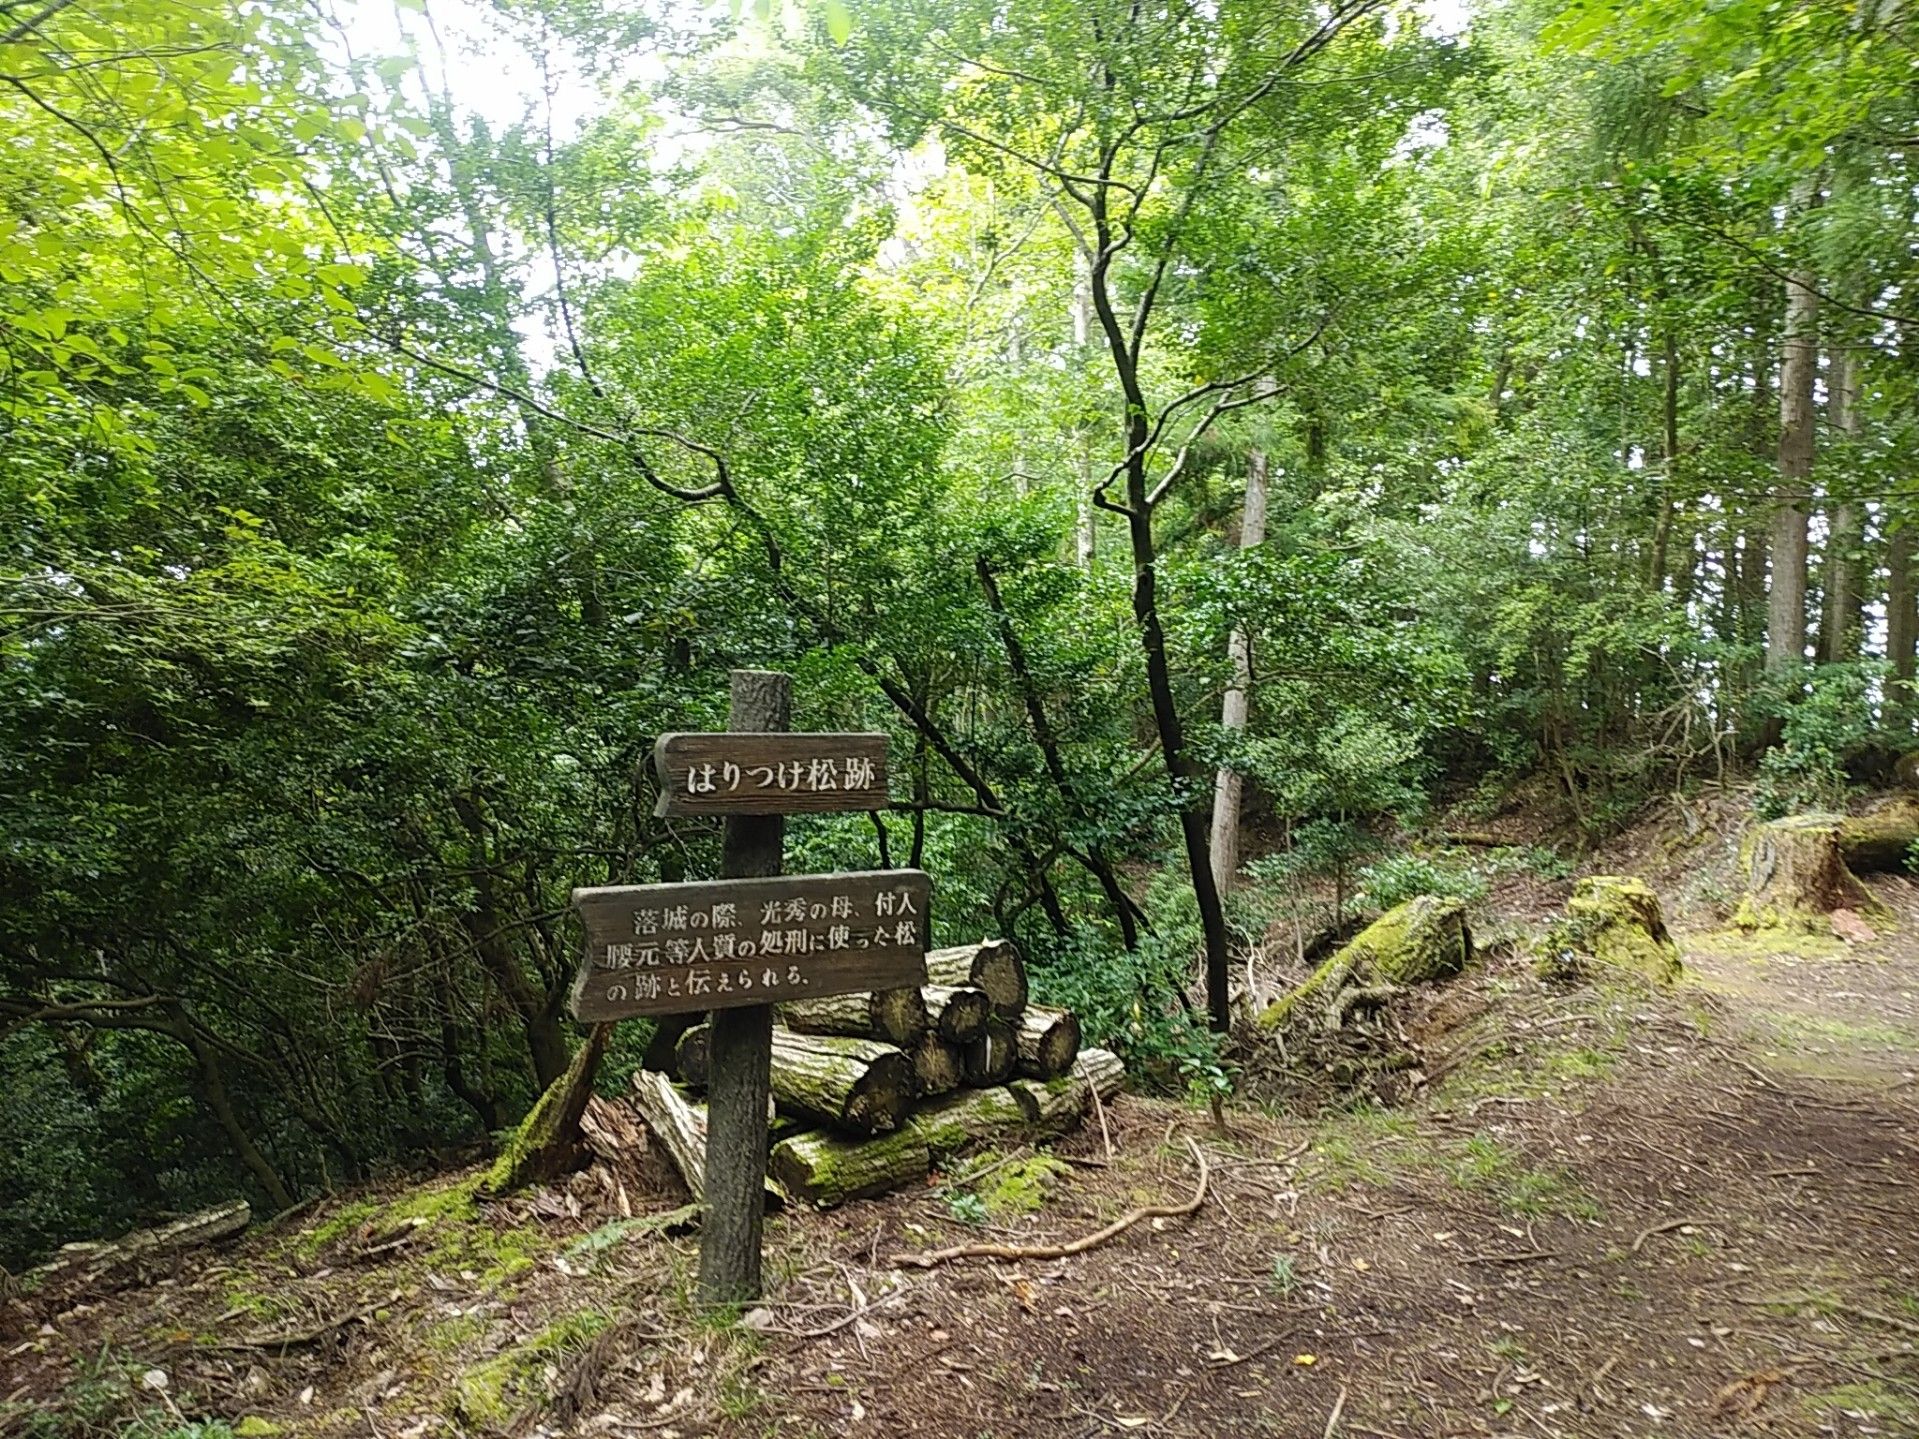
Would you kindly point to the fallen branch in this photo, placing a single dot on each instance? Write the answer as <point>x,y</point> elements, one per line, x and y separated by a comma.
<point>1650,1230</point>
<point>298,1338</point>
<point>926,1259</point>
<point>1528,1256</point>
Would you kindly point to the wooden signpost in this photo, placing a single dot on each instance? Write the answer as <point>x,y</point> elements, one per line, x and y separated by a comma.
<point>738,945</point>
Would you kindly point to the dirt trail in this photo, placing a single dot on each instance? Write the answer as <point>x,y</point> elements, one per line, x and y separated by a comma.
<point>1612,1213</point>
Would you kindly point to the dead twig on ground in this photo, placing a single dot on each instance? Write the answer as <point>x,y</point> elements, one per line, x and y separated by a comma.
<point>1528,1256</point>
<point>926,1259</point>
<point>1339,1408</point>
<point>1661,1228</point>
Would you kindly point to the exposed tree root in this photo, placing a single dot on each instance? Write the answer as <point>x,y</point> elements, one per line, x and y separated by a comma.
<point>926,1259</point>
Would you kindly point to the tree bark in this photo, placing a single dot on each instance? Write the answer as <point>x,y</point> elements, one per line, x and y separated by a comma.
<point>1843,614</point>
<point>1786,601</point>
<point>949,1125</point>
<point>894,1016</point>
<point>1058,1104</point>
<point>828,1169</point>
<point>858,1085</point>
<point>679,1124</point>
<point>1228,783</point>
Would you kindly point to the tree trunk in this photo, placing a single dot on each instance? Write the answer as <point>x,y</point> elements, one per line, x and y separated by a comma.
<point>894,1016</point>
<point>1058,1105</point>
<point>826,1169</point>
<point>678,1124</point>
<point>1902,625</point>
<point>1227,783</point>
<point>547,1142</point>
<point>992,964</point>
<point>1048,1041</point>
<point>857,1085</point>
<point>949,1125</point>
<point>1844,604</point>
<point>992,1057</point>
<point>1786,605</point>
<point>1656,564</point>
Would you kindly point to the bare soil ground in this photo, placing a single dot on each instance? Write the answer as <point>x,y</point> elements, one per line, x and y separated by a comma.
<point>1603,1211</point>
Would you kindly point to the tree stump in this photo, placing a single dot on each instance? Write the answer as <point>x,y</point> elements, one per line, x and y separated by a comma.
<point>1423,940</point>
<point>1618,921</point>
<point>1797,875</point>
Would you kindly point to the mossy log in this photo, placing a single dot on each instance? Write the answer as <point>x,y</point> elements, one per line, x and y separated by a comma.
<point>938,1067</point>
<point>548,1142</point>
<point>1797,875</point>
<point>892,1016</point>
<point>950,1124</point>
<point>1878,843</point>
<point>1618,921</point>
<point>858,1085</point>
<point>1048,1041</point>
<point>959,1011</point>
<point>677,1123</point>
<point>1417,942</point>
<point>991,1058</point>
<point>992,964</point>
<point>828,1169</point>
<point>1054,1105</point>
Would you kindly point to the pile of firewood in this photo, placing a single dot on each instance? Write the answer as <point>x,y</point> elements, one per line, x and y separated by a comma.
<point>871,1090</point>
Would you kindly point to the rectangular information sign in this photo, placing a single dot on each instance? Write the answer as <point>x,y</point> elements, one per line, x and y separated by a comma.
<point>675,948</point>
<point>774,773</point>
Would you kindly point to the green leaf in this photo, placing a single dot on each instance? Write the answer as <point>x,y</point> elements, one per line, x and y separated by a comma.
<point>839,21</point>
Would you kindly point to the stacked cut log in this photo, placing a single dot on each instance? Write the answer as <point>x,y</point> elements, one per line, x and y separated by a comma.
<point>892,1082</point>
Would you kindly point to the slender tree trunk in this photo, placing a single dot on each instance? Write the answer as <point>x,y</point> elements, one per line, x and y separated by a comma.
<point>1085,530</point>
<point>1902,624</point>
<point>1669,463</point>
<point>1094,856</point>
<point>1227,783</point>
<point>1786,603</point>
<point>1843,599</point>
<point>213,1090</point>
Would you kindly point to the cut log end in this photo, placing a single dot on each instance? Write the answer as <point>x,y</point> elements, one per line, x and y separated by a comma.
<point>992,1058</point>
<point>993,964</point>
<point>1048,1041</point>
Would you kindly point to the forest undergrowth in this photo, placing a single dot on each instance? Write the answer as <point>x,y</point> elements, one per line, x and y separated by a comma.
<point>1586,1208</point>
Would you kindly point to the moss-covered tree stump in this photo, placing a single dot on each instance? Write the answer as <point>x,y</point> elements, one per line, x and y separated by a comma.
<point>1423,940</point>
<point>548,1142</point>
<point>1618,922</point>
<point>1797,875</point>
<point>828,1169</point>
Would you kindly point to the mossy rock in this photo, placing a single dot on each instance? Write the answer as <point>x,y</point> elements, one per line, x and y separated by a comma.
<point>1619,922</point>
<point>1418,942</point>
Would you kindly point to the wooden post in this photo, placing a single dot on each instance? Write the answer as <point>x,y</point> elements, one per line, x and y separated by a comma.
<point>742,1043</point>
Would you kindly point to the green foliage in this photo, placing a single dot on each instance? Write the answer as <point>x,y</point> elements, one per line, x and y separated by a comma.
<point>1825,717</point>
<point>1396,878</point>
<point>380,480</point>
